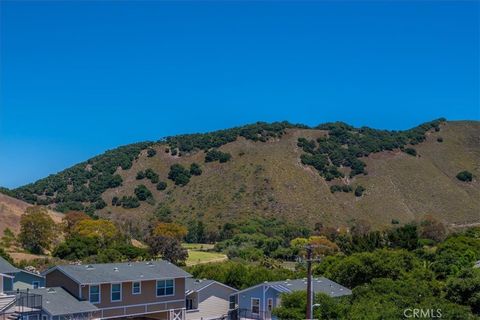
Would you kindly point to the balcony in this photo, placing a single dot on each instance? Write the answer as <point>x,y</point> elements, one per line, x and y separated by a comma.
<point>14,304</point>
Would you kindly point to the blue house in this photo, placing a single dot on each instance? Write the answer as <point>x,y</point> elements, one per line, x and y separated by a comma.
<point>257,302</point>
<point>12,278</point>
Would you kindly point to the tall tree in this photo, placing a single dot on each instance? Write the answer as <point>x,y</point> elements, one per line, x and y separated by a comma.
<point>37,230</point>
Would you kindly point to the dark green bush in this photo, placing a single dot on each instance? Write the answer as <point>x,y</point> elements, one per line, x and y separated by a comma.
<point>142,192</point>
<point>140,175</point>
<point>195,169</point>
<point>465,176</point>
<point>179,174</point>
<point>359,191</point>
<point>216,155</point>
<point>411,151</point>
<point>161,185</point>
<point>151,152</point>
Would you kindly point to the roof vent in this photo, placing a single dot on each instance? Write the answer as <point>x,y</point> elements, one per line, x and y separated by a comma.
<point>90,267</point>
<point>150,263</point>
<point>115,269</point>
<point>198,280</point>
<point>51,290</point>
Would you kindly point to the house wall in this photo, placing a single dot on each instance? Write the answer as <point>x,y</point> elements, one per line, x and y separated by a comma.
<point>245,298</point>
<point>213,302</point>
<point>148,294</point>
<point>24,280</point>
<point>57,278</point>
<point>7,284</point>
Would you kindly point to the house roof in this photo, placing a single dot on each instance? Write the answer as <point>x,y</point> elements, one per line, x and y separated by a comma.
<point>6,267</point>
<point>56,301</point>
<point>121,272</point>
<point>320,285</point>
<point>195,285</point>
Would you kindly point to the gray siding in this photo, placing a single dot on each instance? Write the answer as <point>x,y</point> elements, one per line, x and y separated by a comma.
<point>212,302</point>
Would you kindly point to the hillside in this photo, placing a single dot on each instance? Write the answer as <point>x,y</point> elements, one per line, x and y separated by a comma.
<point>11,209</point>
<point>272,173</point>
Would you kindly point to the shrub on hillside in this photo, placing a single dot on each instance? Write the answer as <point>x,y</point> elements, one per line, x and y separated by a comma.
<point>140,175</point>
<point>162,185</point>
<point>151,152</point>
<point>195,169</point>
<point>411,151</point>
<point>179,174</point>
<point>216,155</point>
<point>359,191</point>
<point>130,202</point>
<point>465,176</point>
<point>142,192</point>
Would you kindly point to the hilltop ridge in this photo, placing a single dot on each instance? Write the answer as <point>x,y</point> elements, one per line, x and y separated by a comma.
<point>288,171</point>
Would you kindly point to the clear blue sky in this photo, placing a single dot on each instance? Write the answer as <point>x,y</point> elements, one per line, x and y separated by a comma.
<point>78,78</point>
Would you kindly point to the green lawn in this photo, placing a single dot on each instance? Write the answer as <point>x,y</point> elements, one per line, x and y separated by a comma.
<point>198,257</point>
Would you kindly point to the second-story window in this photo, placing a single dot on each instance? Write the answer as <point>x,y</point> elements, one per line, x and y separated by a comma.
<point>165,288</point>
<point>116,291</point>
<point>94,294</point>
<point>136,288</point>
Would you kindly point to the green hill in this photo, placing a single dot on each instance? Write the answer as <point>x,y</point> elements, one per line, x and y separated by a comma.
<point>281,170</point>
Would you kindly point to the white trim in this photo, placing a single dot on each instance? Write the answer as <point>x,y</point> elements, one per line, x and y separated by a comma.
<point>37,282</point>
<point>6,275</point>
<point>251,305</point>
<point>99,293</point>
<point>139,314</point>
<point>164,295</point>
<point>111,291</point>
<point>143,304</point>
<point>140,287</point>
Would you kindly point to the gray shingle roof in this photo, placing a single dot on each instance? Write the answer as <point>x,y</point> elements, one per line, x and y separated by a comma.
<point>121,272</point>
<point>196,284</point>
<point>57,301</point>
<point>6,267</point>
<point>320,285</point>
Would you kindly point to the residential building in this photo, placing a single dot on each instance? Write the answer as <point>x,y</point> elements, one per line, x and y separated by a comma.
<point>58,304</point>
<point>153,289</point>
<point>12,278</point>
<point>257,302</point>
<point>207,299</point>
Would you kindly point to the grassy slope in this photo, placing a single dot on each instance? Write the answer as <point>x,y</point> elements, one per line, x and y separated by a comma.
<point>11,210</point>
<point>267,179</point>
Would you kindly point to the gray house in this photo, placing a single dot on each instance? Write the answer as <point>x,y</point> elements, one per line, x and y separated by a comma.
<point>258,302</point>
<point>207,299</point>
<point>12,278</point>
<point>58,304</point>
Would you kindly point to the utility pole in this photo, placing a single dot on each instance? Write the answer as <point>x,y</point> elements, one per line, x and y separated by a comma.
<point>309,282</point>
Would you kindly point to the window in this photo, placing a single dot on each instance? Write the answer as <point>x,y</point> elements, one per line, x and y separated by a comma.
<point>232,302</point>
<point>94,292</point>
<point>270,304</point>
<point>165,288</point>
<point>189,304</point>
<point>35,284</point>
<point>255,305</point>
<point>116,292</point>
<point>44,317</point>
<point>136,288</point>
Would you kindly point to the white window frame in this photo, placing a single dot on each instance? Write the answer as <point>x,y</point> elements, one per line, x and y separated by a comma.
<point>251,305</point>
<point>111,292</point>
<point>139,288</point>
<point>37,283</point>
<point>99,293</point>
<point>165,281</point>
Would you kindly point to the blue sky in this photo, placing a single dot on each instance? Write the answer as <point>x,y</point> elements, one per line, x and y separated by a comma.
<point>78,78</point>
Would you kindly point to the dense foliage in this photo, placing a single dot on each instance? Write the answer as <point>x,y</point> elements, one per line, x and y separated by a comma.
<point>37,230</point>
<point>239,275</point>
<point>388,282</point>
<point>216,155</point>
<point>80,187</point>
<point>179,174</point>
<point>259,131</point>
<point>344,145</point>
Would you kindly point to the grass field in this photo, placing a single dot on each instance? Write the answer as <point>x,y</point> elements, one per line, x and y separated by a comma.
<point>198,246</point>
<point>198,257</point>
